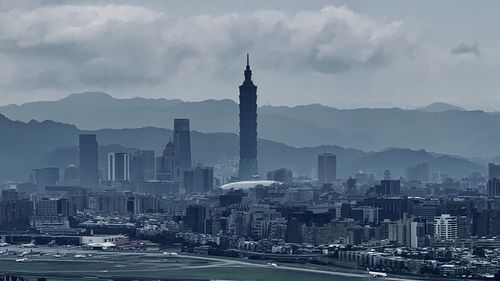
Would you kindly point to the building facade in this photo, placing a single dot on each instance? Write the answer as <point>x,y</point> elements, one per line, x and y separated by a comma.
<point>327,168</point>
<point>118,166</point>
<point>248,167</point>
<point>88,157</point>
<point>182,148</point>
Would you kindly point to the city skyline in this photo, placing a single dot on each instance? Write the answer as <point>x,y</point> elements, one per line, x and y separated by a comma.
<point>229,188</point>
<point>384,57</point>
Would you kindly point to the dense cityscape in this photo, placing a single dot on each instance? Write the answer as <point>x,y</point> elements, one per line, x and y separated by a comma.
<point>422,224</point>
<point>264,140</point>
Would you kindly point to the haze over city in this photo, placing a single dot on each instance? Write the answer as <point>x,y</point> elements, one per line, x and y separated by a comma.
<point>247,141</point>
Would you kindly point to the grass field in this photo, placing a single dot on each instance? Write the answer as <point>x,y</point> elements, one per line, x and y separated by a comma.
<point>251,274</point>
<point>91,268</point>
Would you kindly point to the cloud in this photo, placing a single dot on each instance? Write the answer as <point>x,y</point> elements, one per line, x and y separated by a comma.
<point>103,46</point>
<point>465,49</point>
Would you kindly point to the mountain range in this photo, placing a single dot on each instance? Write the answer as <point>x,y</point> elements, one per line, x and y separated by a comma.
<point>438,127</point>
<point>34,144</point>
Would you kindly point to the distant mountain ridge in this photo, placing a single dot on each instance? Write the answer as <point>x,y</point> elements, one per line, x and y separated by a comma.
<point>24,146</point>
<point>438,127</point>
<point>440,107</point>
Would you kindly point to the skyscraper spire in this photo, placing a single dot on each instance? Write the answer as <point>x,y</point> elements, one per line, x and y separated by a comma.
<point>248,72</point>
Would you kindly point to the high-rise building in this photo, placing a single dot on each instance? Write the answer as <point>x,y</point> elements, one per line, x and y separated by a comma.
<point>182,148</point>
<point>388,187</point>
<point>71,175</point>
<point>446,227</point>
<point>142,166</point>
<point>118,166</point>
<point>89,172</point>
<point>493,171</point>
<point>195,219</point>
<point>165,163</point>
<point>493,187</point>
<point>248,167</point>
<point>463,227</point>
<point>199,180</point>
<point>46,176</point>
<point>327,168</point>
<point>351,186</point>
<point>15,213</point>
<point>420,172</point>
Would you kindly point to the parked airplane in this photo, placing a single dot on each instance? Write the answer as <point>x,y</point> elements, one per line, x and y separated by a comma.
<point>376,274</point>
<point>29,245</point>
<point>3,244</point>
<point>23,254</point>
<point>22,260</point>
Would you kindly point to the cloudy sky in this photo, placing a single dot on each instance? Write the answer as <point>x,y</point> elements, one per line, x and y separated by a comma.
<point>343,54</point>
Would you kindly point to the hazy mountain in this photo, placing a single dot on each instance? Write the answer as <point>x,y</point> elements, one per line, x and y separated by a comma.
<point>396,160</point>
<point>457,132</point>
<point>24,146</point>
<point>88,110</point>
<point>440,107</point>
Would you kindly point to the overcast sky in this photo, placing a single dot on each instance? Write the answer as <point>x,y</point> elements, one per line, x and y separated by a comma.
<point>341,54</point>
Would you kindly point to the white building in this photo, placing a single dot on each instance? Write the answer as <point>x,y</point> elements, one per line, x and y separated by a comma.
<point>118,166</point>
<point>445,227</point>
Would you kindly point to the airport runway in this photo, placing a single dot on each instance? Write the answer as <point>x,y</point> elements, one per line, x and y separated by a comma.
<point>155,261</point>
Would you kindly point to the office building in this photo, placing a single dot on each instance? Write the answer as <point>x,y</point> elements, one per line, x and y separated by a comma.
<point>388,188</point>
<point>165,163</point>
<point>71,175</point>
<point>463,227</point>
<point>351,186</point>
<point>493,186</point>
<point>390,208</point>
<point>416,234</point>
<point>15,213</point>
<point>327,168</point>
<point>182,148</point>
<point>195,219</point>
<point>365,214</point>
<point>46,176</point>
<point>493,171</point>
<point>118,166</point>
<point>199,180</point>
<point>142,166</point>
<point>248,167</point>
<point>88,156</point>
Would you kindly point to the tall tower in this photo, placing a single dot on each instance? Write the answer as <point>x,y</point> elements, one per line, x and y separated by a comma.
<point>182,148</point>
<point>327,168</point>
<point>248,127</point>
<point>166,164</point>
<point>88,149</point>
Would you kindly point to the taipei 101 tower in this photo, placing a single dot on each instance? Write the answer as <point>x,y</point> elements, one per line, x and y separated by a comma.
<point>248,128</point>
